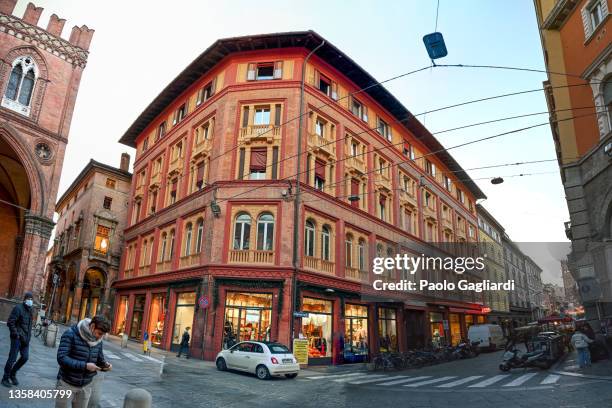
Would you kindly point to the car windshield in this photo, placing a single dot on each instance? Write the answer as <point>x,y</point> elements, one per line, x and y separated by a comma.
<point>278,349</point>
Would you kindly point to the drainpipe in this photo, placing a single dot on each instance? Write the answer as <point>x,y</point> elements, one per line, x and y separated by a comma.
<point>296,201</point>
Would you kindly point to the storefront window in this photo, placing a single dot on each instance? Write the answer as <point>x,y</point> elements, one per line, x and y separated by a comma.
<point>248,316</point>
<point>183,317</point>
<point>455,328</point>
<point>356,333</point>
<point>438,336</point>
<point>122,315</point>
<point>136,328</point>
<point>481,319</point>
<point>157,317</point>
<point>469,321</point>
<point>317,327</point>
<point>387,329</point>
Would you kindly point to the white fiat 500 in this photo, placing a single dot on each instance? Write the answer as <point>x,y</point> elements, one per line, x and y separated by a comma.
<point>261,358</point>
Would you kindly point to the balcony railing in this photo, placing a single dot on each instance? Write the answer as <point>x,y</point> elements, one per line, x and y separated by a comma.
<point>356,274</point>
<point>176,165</point>
<point>429,212</point>
<point>321,144</point>
<point>201,148</point>
<point>251,256</point>
<point>382,180</point>
<point>164,266</point>
<point>264,132</point>
<point>446,223</point>
<point>189,260</point>
<point>94,253</point>
<point>355,163</point>
<point>407,197</point>
<point>320,265</point>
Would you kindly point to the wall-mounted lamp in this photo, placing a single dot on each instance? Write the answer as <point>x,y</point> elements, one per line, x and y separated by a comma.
<point>608,149</point>
<point>354,197</point>
<point>214,207</point>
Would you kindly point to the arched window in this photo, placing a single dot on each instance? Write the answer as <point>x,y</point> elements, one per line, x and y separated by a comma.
<point>199,236</point>
<point>349,251</point>
<point>242,232</point>
<point>607,95</point>
<point>362,254</point>
<point>18,93</point>
<point>188,235</point>
<point>164,244</point>
<point>171,244</point>
<point>309,241</point>
<point>379,250</point>
<point>326,243</point>
<point>265,232</point>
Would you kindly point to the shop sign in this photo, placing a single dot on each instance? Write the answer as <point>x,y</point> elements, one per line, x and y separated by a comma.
<point>300,350</point>
<point>486,310</point>
<point>445,324</point>
<point>203,302</point>
<point>300,314</point>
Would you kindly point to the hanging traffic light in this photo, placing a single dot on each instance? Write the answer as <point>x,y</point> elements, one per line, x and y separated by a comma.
<point>434,43</point>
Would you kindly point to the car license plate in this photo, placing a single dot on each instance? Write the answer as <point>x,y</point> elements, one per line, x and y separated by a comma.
<point>287,361</point>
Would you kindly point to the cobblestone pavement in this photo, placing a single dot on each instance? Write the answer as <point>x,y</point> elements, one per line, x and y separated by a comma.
<point>193,383</point>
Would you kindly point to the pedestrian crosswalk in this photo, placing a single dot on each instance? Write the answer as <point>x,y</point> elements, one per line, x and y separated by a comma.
<point>441,382</point>
<point>129,356</point>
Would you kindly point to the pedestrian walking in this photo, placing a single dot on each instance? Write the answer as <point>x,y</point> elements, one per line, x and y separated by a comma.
<point>20,326</point>
<point>581,342</point>
<point>80,356</point>
<point>184,343</point>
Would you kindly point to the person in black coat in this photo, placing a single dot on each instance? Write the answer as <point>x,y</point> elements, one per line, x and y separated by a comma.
<point>20,326</point>
<point>184,343</point>
<point>80,356</point>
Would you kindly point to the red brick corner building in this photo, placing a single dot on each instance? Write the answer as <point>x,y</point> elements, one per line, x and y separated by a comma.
<point>40,73</point>
<point>211,224</point>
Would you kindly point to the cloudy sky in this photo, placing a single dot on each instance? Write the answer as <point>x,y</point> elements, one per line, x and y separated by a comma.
<point>139,46</point>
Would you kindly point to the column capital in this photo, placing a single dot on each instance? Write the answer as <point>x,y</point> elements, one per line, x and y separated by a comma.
<point>38,225</point>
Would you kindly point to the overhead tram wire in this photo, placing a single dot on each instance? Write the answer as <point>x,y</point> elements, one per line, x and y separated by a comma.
<point>416,71</point>
<point>290,177</point>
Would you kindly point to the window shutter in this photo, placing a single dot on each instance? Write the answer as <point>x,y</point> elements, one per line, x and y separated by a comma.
<point>364,109</point>
<point>604,9</point>
<point>382,200</point>
<point>307,168</point>
<point>245,117</point>
<point>274,162</point>
<point>259,157</point>
<point>175,119</point>
<point>241,165</point>
<point>200,174</point>
<point>278,70</point>
<point>174,186</point>
<point>586,22</point>
<point>317,77</point>
<point>355,191</point>
<point>251,72</point>
<point>211,128</point>
<point>213,87</point>
<point>199,98</point>
<point>277,115</point>
<point>349,101</point>
<point>320,169</point>
<point>389,133</point>
<point>334,91</point>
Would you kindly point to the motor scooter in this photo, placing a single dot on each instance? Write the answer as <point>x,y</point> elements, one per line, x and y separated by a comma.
<point>514,358</point>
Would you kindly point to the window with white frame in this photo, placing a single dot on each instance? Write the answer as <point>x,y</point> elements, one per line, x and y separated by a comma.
<point>326,243</point>
<point>20,87</point>
<point>242,232</point>
<point>265,232</point>
<point>309,241</point>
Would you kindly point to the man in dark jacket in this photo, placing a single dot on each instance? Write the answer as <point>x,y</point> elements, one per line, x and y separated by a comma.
<point>20,326</point>
<point>184,344</point>
<point>80,356</point>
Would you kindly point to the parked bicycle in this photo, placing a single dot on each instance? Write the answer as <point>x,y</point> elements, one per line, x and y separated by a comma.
<point>41,328</point>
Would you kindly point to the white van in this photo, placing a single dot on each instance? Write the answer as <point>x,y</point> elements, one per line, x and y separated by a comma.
<point>490,336</point>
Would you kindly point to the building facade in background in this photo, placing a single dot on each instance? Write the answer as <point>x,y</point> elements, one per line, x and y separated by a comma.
<point>576,40</point>
<point>210,242</point>
<point>514,263</point>
<point>535,288</point>
<point>554,299</point>
<point>40,74</point>
<point>569,285</point>
<point>490,233</point>
<point>88,242</point>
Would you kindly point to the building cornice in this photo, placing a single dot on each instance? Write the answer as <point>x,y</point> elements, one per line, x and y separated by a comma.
<point>597,62</point>
<point>559,14</point>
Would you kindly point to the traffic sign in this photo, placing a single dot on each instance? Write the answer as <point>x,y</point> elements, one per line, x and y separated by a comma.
<point>203,302</point>
<point>300,314</point>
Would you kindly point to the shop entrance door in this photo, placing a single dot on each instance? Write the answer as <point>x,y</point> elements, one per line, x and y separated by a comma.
<point>415,329</point>
<point>248,316</point>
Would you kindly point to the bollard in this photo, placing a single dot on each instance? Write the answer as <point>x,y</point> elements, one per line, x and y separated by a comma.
<point>124,340</point>
<point>51,335</point>
<point>137,398</point>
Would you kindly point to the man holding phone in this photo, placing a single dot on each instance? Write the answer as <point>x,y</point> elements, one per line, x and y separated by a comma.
<point>80,357</point>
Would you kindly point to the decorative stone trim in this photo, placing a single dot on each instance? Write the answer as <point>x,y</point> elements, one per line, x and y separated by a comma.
<point>38,225</point>
<point>43,40</point>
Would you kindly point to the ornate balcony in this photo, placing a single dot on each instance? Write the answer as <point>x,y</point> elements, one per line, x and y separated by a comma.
<point>259,132</point>
<point>430,213</point>
<point>447,224</point>
<point>407,198</point>
<point>201,149</point>
<point>381,180</point>
<point>176,166</point>
<point>189,260</point>
<point>319,265</point>
<point>251,256</point>
<point>155,180</point>
<point>323,145</point>
<point>355,274</point>
<point>139,192</point>
<point>355,165</point>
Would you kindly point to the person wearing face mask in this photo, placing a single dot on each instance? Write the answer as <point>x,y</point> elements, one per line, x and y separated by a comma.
<point>20,326</point>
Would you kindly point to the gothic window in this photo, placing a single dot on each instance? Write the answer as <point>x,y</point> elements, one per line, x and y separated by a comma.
<point>18,93</point>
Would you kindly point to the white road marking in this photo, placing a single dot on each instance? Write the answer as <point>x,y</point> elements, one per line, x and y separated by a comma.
<point>321,377</point>
<point>152,359</point>
<point>489,381</point>
<point>132,357</point>
<point>427,382</point>
<point>369,379</point>
<point>405,380</point>
<point>522,379</point>
<point>551,379</point>
<point>110,354</point>
<point>460,381</point>
<point>343,380</point>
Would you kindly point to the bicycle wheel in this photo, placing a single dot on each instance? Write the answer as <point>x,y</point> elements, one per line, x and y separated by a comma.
<point>37,330</point>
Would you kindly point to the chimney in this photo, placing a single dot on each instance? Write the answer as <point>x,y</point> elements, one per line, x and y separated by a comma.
<point>56,25</point>
<point>7,6</point>
<point>125,162</point>
<point>32,14</point>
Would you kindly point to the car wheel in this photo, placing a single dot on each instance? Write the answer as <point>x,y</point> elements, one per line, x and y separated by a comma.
<point>504,367</point>
<point>262,372</point>
<point>221,366</point>
<point>291,375</point>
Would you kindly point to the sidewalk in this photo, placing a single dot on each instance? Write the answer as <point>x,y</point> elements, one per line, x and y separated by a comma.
<point>600,370</point>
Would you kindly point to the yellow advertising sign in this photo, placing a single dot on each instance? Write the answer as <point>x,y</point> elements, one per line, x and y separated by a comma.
<point>300,351</point>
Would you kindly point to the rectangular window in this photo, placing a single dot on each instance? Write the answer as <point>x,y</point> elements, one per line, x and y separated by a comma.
<point>180,114</point>
<point>383,207</point>
<point>258,163</point>
<point>110,183</point>
<point>173,191</point>
<point>206,92</point>
<point>101,243</point>
<point>108,201</point>
<point>145,144</point>
<point>596,13</point>
<point>200,176</point>
<point>383,129</point>
<point>325,85</point>
<point>265,71</point>
<point>357,108</point>
<point>448,184</point>
<point>460,196</point>
<point>320,128</point>
<point>161,130</point>
<point>319,174</point>
<point>430,168</point>
<point>262,115</point>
